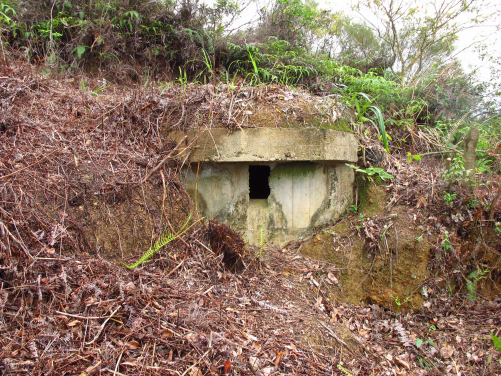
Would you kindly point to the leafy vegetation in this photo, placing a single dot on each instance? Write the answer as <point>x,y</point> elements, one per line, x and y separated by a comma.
<point>402,68</point>
<point>497,344</point>
<point>473,279</point>
<point>372,172</point>
<point>397,68</point>
<point>167,237</point>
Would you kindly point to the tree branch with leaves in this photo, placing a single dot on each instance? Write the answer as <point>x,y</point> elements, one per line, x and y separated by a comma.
<point>420,35</point>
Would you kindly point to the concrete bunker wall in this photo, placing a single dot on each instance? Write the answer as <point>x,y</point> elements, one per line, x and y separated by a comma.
<point>302,195</point>
<point>271,184</point>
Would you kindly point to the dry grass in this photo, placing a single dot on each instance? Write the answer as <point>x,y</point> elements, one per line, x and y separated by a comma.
<point>64,309</point>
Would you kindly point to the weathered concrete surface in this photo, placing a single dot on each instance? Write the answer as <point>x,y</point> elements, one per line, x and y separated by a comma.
<point>309,183</point>
<point>303,195</point>
<point>269,145</point>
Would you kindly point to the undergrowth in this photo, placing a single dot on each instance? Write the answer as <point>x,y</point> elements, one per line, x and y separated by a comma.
<point>164,239</point>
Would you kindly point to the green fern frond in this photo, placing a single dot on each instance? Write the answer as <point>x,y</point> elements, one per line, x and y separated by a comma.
<point>161,242</point>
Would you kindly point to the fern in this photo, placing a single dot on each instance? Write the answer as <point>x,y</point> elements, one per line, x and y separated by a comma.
<point>345,371</point>
<point>245,241</point>
<point>404,338</point>
<point>161,242</point>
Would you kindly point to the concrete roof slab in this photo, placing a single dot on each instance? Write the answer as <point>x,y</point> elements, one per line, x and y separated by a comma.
<point>269,145</point>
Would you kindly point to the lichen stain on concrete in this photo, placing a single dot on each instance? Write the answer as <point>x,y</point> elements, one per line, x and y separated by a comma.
<point>302,195</point>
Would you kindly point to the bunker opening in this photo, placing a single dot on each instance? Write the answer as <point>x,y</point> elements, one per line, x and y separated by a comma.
<point>274,185</point>
<point>259,181</point>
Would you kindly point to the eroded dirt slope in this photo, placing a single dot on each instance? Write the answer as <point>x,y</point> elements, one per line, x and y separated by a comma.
<point>75,202</point>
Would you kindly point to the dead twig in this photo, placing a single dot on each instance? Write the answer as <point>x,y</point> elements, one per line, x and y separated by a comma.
<point>31,165</point>
<point>163,160</point>
<point>102,327</point>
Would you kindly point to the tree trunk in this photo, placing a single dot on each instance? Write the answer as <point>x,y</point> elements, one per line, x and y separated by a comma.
<point>470,148</point>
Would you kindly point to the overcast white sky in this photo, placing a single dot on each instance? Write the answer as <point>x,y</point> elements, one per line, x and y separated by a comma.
<point>465,45</point>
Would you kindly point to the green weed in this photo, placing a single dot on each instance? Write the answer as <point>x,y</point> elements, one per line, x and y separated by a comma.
<point>372,172</point>
<point>398,302</point>
<point>496,341</point>
<point>80,50</point>
<point>362,108</point>
<point>449,198</point>
<point>446,244</point>
<point>497,227</point>
<point>472,282</point>
<point>161,242</point>
<point>411,158</point>
<point>5,9</point>
<point>344,370</point>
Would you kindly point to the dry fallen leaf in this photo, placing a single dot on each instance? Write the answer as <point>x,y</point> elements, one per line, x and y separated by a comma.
<point>195,371</point>
<point>227,366</point>
<point>446,351</point>
<point>254,364</point>
<point>167,333</point>
<point>313,281</point>
<point>133,345</point>
<point>279,358</point>
<point>73,323</point>
<point>421,202</point>
<point>332,278</point>
<point>249,336</point>
<point>403,361</point>
<point>319,304</point>
<point>89,371</point>
<point>130,286</point>
<point>266,371</point>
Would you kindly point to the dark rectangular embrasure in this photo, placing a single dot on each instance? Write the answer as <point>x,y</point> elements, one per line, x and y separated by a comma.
<point>259,181</point>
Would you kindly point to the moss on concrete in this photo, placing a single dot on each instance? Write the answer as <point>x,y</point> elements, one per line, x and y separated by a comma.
<point>340,125</point>
<point>293,170</point>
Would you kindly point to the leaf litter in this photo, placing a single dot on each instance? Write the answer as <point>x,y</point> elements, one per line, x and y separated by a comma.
<point>65,309</point>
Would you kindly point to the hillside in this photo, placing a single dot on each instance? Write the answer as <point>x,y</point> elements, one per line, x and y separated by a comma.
<point>89,180</point>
